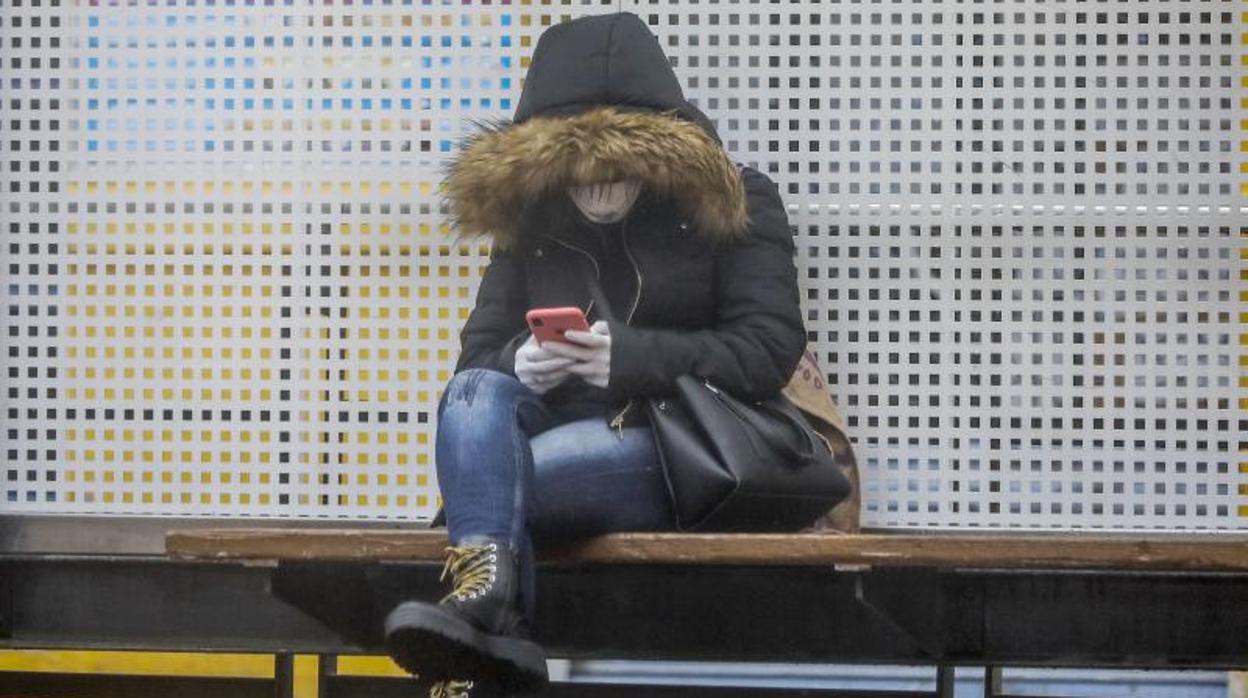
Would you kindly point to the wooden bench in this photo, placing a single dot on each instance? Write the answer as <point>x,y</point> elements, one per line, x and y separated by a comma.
<point>1198,552</point>
<point>1129,600</point>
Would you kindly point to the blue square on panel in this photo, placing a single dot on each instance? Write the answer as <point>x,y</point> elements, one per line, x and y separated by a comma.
<point>93,21</point>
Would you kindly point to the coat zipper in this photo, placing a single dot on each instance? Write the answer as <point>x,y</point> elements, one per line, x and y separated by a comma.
<point>618,421</point>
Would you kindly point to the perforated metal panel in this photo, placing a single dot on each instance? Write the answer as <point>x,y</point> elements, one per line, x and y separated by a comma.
<point>1022,235</point>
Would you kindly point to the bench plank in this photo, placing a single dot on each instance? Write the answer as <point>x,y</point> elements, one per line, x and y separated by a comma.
<point>1193,552</point>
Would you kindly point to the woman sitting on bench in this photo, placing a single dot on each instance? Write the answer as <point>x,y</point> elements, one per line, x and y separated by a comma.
<point>606,176</point>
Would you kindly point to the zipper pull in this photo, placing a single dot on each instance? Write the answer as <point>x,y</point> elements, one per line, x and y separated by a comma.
<point>618,422</point>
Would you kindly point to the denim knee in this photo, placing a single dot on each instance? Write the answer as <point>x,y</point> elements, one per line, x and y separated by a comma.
<point>467,385</point>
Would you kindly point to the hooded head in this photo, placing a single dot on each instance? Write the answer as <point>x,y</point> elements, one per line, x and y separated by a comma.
<point>600,104</point>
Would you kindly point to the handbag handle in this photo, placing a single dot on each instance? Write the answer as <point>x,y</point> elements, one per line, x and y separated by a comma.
<point>802,457</point>
<point>785,411</point>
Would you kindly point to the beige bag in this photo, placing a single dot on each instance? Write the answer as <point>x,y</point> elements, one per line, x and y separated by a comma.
<point>808,390</point>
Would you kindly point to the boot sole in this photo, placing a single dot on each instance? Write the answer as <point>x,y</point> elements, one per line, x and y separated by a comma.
<point>435,644</point>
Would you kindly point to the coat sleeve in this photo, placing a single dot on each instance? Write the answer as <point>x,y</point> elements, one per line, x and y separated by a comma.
<point>496,328</point>
<point>758,337</point>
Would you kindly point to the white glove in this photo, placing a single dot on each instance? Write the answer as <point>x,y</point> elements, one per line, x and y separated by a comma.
<point>538,368</point>
<point>591,353</point>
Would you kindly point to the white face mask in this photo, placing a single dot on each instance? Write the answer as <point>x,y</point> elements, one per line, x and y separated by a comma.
<point>605,202</point>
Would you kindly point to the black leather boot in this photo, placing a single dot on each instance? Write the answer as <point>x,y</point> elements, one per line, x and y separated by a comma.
<point>477,631</point>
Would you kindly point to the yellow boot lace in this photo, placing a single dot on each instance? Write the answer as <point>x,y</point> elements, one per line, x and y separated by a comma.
<point>450,689</point>
<point>471,568</point>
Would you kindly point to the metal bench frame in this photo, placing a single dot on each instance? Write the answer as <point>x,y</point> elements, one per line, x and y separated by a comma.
<point>945,601</point>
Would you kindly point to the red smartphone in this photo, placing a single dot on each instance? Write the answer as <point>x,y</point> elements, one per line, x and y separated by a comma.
<point>549,324</point>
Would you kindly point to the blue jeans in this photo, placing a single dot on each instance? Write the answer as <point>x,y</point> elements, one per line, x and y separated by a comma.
<point>511,468</point>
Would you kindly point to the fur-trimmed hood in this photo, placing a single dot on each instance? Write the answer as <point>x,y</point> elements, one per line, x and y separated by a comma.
<point>600,103</point>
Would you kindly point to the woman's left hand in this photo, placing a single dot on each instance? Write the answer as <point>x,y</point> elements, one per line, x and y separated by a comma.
<point>591,351</point>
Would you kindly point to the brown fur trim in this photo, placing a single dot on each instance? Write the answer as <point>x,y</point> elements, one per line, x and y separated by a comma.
<point>506,169</point>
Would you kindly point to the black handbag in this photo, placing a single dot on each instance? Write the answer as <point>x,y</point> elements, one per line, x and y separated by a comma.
<point>737,466</point>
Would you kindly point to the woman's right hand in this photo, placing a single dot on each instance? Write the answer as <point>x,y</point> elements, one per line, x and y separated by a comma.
<point>539,369</point>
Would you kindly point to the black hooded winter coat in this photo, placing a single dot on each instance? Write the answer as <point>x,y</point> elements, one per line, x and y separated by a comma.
<point>703,262</point>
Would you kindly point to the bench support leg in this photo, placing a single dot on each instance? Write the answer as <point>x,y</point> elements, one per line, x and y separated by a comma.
<point>283,675</point>
<point>945,675</point>
<point>326,670</point>
<point>992,681</point>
